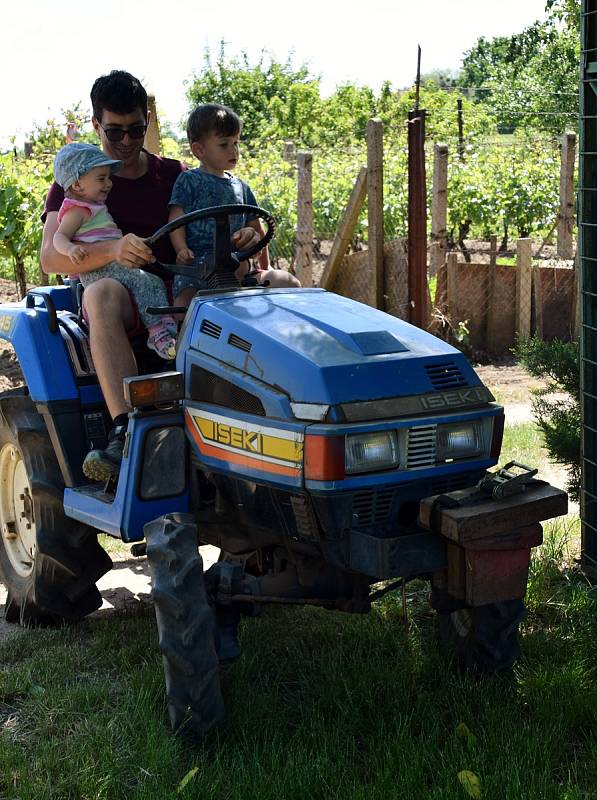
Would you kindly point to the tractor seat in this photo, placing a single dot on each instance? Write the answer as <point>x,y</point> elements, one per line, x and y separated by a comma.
<point>75,331</point>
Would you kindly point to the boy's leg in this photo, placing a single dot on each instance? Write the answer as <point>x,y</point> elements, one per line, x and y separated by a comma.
<point>278,279</point>
<point>184,297</point>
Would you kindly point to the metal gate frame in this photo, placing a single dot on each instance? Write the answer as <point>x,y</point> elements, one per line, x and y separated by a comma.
<point>587,223</point>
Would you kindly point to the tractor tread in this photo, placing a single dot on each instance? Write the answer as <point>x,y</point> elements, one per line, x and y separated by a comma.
<point>168,603</point>
<point>186,624</point>
<point>69,560</point>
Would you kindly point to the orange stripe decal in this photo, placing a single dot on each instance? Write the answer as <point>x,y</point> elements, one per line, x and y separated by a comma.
<point>256,448</point>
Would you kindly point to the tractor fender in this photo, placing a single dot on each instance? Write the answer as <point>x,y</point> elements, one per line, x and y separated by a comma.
<point>35,335</point>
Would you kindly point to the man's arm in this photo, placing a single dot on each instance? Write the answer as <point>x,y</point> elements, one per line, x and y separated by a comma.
<point>129,251</point>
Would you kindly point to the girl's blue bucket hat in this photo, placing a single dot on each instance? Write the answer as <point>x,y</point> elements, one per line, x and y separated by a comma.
<point>75,160</point>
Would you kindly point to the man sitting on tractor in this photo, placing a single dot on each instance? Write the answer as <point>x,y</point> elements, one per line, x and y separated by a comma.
<point>138,203</point>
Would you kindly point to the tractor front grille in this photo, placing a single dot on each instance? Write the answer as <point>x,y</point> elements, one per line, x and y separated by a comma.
<point>210,328</point>
<point>209,388</point>
<point>372,507</point>
<point>237,341</point>
<point>446,375</point>
<point>421,446</point>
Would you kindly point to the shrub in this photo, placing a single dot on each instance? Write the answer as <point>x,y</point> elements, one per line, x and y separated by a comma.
<point>559,419</point>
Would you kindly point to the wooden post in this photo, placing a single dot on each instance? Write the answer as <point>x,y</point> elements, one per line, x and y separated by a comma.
<point>304,226</point>
<point>152,137</point>
<point>375,211</point>
<point>491,319</point>
<point>452,285</point>
<point>522,322</point>
<point>493,250</point>
<point>347,225</point>
<point>566,215</point>
<point>417,221</point>
<point>289,155</point>
<point>289,152</point>
<point>439,208</point>
<point>460,130</point>
<point>537,301</point>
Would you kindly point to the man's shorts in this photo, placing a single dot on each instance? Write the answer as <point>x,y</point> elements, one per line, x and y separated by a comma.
<point>138,328</point>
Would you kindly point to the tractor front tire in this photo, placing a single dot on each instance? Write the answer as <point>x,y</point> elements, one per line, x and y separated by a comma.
<point>48,563</point>
<point>485,638</point>
<point>186,625</point>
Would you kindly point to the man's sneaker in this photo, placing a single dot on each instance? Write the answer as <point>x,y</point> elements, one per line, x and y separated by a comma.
<point>101,465</point>
<point>162,341</point>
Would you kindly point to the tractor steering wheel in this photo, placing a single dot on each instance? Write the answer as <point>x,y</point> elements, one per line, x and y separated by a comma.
<point>222,262</point>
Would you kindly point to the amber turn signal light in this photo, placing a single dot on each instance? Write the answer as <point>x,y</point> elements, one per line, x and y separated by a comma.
<point>150,390</point>
<point>324,458</point>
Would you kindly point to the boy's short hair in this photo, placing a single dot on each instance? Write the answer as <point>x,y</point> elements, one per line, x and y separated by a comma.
<point>120,92</point>
<point>212,118</point>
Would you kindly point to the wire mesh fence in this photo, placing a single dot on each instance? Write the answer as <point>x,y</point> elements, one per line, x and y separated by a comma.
<point>486,303</point>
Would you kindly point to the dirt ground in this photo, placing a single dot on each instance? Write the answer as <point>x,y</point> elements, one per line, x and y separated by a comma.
<point>127,586</point>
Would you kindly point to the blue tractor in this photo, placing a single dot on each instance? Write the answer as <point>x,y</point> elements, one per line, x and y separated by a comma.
<point>298,433</point>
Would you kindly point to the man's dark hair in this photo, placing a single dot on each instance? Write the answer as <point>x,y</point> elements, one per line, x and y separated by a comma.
<point>119,92</point>
<point>212,118</point>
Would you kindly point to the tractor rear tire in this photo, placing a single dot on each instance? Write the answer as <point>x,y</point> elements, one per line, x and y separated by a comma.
<point>186,625</point>
<point>49,563</point>
<point>485,638</point>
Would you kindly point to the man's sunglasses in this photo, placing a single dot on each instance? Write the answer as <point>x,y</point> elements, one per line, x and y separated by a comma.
<point>118,134</point>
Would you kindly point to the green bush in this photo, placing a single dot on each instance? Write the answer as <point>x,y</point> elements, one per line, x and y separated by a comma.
<point>558,418</point>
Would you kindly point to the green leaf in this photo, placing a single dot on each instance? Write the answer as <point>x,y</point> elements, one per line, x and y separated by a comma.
<point>464,732</point>
<point>470,783</point>
<point>187,779</point>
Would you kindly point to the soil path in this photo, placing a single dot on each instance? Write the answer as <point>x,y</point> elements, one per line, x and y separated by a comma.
<point>127,585</point>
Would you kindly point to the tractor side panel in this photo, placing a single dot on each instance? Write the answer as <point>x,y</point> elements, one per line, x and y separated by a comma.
<point>42,355</point>
<point>243,446</point>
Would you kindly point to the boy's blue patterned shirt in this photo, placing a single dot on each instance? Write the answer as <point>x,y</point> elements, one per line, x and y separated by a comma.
<point>194,190</point>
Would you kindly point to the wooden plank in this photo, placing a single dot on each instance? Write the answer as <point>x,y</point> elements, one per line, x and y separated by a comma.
<point>452,286</point>
<point>500,325</point>
<point>417,221</point>
<point>456,572</point>
<point>152,137</point>
<point>492,313</point>
<point>346,229</point>
<point>303,264</point>
<point>471,521</point>
<point>538,301</point>
<point>565,226</point>
<point>524,262</point>
<point>375,234</point>
<point>439,208</point>
<point>493,250</point>
<point>495,577</point>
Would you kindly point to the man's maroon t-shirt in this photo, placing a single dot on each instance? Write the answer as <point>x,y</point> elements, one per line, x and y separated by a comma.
<point>138,205</point>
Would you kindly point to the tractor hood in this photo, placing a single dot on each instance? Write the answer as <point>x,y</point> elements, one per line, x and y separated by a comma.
<point>318,347</point>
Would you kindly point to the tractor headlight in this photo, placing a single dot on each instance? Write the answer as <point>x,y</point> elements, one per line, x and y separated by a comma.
<point>461,440</point>
<point>370,452</point>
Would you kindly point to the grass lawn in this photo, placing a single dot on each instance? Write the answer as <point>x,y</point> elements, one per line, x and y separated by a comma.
<point>320,705</point>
